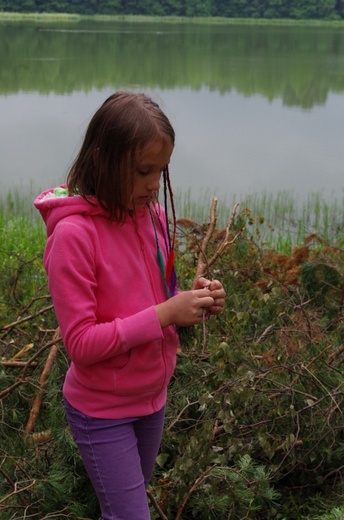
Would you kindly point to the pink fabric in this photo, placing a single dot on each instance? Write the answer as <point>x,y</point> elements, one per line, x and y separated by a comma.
<point>105,283</point>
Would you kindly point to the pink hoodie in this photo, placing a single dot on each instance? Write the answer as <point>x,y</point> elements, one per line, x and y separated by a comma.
<point>105,282</point>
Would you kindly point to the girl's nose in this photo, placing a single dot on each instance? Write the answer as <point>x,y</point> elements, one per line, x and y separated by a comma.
<point>154,182</point>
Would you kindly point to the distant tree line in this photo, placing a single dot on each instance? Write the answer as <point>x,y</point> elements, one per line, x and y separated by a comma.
<point>294,9</point>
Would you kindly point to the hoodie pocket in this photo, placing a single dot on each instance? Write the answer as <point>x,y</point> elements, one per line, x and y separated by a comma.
<point>144,374</point>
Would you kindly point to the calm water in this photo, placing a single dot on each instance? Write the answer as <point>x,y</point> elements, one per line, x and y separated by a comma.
<point>254,108</point>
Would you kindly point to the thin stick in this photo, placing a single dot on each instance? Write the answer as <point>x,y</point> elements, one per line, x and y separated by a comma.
<point>195,485</point>
<point>204,331</point>
<point>180,414</point>
<point>42,382</point>
<point>335,354</point>
<point>203,264</point>
<point>17,364</point>
<point>156,505</point>
<point>7,328</point>
<point>17,491</point>
<point>9,389</point>
<point>226,241</point>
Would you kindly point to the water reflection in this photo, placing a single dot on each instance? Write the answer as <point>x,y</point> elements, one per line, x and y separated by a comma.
<point>255,108</point>
<point>299,65</point>
<point>228,142</point>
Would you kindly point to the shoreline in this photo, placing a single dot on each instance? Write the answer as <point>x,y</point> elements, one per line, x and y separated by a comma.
<point>7,16</point>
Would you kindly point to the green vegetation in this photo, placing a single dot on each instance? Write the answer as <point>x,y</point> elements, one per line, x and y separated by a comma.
<point>254,425</point>
<point>294,9</point>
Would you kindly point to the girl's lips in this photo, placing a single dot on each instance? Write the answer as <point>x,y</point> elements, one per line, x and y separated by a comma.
<point>142,201</point>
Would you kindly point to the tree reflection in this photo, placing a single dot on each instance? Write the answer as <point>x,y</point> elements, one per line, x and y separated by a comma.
<point>299,65</point>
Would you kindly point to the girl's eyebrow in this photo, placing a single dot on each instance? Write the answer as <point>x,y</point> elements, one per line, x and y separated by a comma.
<point>151,165</point>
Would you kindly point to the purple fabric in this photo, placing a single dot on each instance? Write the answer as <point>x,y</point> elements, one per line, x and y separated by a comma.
<point>119,457</point>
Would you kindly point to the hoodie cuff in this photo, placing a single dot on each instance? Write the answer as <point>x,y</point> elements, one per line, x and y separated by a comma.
<point>141,328</point>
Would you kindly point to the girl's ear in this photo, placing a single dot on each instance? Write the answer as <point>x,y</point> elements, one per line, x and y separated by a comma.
<point>95,156</point>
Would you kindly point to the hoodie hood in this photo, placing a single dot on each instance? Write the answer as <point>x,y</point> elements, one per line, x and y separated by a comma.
<point>55,204</point>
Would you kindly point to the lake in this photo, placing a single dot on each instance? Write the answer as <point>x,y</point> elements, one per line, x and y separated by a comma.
<point>256,108</point>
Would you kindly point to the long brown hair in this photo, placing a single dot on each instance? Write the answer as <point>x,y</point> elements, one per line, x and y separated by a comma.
<point>104,167</point>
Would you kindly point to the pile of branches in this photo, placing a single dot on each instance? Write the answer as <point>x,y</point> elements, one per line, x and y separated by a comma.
<point>254,425</point>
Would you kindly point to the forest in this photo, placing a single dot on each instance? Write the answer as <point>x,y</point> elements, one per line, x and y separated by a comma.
<point>286,9</point>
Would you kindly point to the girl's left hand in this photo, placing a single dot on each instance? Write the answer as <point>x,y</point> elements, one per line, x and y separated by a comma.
<point>216,291</point>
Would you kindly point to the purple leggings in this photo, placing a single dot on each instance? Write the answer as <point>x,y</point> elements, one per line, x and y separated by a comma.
<point>119,457</point>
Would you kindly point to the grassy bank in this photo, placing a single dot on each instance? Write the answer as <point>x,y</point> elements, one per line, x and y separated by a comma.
<point>65,17</point>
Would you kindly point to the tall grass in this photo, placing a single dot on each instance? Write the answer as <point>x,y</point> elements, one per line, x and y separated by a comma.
<point>16,203</point>
<point>20,235</point>
<point>21,228</point>
<point>277,220</point>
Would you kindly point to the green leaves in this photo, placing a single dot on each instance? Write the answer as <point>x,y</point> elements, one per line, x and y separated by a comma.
<point>254,423</point>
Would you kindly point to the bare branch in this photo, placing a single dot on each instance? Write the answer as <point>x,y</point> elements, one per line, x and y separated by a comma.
<point>42,382</point>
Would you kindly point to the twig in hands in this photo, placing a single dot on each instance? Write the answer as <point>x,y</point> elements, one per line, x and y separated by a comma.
<point>204,331</point>
<point>203,264</point>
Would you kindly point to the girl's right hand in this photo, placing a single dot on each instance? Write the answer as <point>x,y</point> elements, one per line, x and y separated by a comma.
<point>184,309</point>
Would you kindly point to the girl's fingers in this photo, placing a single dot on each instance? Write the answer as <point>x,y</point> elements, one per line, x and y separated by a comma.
<point>201,283</point>
<point>218,306</point>
<point>206,302</point>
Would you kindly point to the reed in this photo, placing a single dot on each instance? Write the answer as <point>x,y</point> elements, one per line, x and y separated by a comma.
<point>278,220</point>
<point>21,236</point>
<point>18,202</point>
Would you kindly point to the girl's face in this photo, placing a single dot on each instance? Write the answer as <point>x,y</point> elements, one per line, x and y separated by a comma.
<point>154,157</point>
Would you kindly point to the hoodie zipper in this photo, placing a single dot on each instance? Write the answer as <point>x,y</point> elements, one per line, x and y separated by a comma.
<point>142,246</point>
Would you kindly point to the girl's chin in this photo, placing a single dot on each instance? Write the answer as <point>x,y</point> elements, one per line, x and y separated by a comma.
<point>141,202</point>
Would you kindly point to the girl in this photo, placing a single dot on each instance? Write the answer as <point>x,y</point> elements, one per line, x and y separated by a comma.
<point>117,307</point>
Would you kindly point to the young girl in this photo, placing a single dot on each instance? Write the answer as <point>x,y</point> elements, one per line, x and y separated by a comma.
<point>107,253</point>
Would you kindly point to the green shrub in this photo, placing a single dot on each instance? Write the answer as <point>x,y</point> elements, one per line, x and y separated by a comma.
<point>254,422</point>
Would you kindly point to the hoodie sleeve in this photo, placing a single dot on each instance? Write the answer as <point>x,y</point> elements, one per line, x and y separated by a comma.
<point>71,267</point>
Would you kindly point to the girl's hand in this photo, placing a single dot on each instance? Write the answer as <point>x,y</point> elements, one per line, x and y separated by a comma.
<point>217,292</point>
<point>186,308</point>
